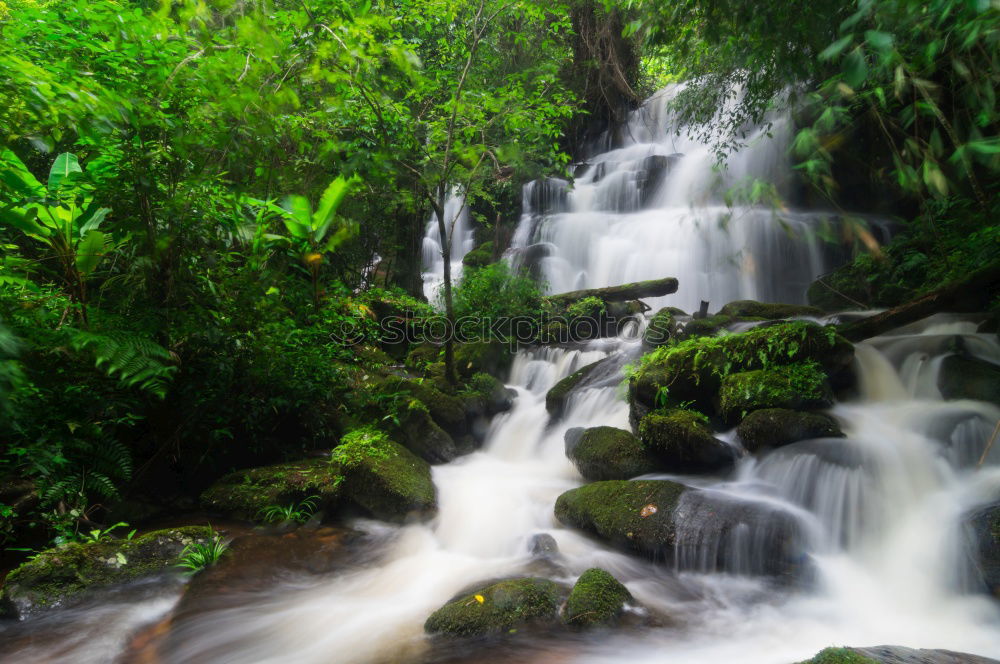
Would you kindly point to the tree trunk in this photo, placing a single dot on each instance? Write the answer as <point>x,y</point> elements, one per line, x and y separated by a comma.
<point>449,305</point>
<point>633,291</point>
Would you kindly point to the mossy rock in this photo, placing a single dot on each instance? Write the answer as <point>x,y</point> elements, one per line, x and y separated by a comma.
<point>705,327</point>
<point>492,357</point>
<point>683,442</point>
<point>799,386</point>
<point>635,516</point>
<point>485,395</point>
<point>445,409</point>
<point>969,378</point>
<point>555,399</point>
<point>481,256</point>
<point>62,575</point>
<point>692,370</point>
<point>662,328</point>
<point>421,435</point>
<point>504,607</point>
<point>984,528</point>
<point>387,480</point>
<point>598,598</point>
<point>769,311</point>
<point>777,427</point>
<point>895,655</point>
<point>245,493</point>
<point>840,656</point>
<point>607,453</point>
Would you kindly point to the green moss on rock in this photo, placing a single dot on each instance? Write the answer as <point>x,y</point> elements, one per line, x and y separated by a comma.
<point>705,327</point>
<point>777,427</point>
<point>61,575</point>
<point>662,328</point>
<point>481,256</point>
<point>504,606</point>
<point>388,480</point>
<point>555,399</point>
<point>634,516</point>
<point>840,656</point>
<point>598,598</point>
<point>492,357</point>
<point>683,442</point>
<point>245,493</point>
<point>768,311</point>
<point>691,371</point>
<point>968,378</point>
<point>607,453</point>
<point>797,386</point>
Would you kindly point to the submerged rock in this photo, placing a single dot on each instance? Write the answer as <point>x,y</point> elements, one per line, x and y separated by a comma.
<point>969,378</point>
<point>386,479</point>
<point>543,545</point>
<point>635,516</point>
<point>607,453</point>
<point>555,399</point>
<point>497,608</point>
<point>683,442</point>
<point>246,493</point>
<point>984,527</point>
<point>777,427</point>
<point>797,386</point>
<point>598,598</point>
<point>895,655</point>
<point>61,575</point>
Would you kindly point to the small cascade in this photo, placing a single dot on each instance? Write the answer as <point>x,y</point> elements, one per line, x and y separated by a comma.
<point>462,236</point>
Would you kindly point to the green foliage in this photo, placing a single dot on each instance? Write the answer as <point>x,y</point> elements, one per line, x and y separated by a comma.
<point>495,293</point>
<point>101,534</point>
<point>359,445</point>
<point>296,512</point>
<point>135,360</point>
<point>199,555</point>
<point>588,307</point>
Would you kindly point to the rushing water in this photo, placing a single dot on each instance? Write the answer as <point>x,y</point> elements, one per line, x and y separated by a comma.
<point>458,226</point>
<point>869,525</point>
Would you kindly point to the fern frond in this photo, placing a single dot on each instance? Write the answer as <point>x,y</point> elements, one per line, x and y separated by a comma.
<point>135,360</point>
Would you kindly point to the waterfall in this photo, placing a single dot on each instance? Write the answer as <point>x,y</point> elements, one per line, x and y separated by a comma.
<point>655,206</point>
<point>458,224</point>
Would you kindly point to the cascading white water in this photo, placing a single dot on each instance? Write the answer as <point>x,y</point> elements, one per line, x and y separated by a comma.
<point>655,207</point>
<point>462,236</point>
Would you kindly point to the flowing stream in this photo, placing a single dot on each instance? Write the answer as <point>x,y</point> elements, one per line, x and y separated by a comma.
<point>874,518</point>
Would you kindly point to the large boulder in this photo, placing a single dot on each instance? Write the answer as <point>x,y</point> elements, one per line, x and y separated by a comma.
<point>635,516</point>
<point>692,370</point>
<point>62,575</point>
<point>800,386</point>
<point>246,493</point>
<point>984,528</point>
<point>964,377</point>
<point>683,442</point>
<point>598,598</point>
<point>607,453</point>
<point>497,608</point>
<point>555,399</point>
<point>777,427</point>
<point>492,357</point>
<point>421,435</point>
<point>384,478</point>
<point>481,256</point>
<point>662,328</point>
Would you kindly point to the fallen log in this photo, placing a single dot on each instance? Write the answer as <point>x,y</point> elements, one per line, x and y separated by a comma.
<point>633,291</point>
<point>972,294</point>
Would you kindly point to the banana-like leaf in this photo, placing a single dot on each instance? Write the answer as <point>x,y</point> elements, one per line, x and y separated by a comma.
<point>298,216</point>
<point>65,165</point>
<point>91,219</point>
<point>90,252</point>
<point>15,175</point>
<point>26,221</point>
<point>328,204</point>
<point>344,233</point>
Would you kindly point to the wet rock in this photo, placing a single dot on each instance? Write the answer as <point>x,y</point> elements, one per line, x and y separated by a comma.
<point>777,427</point>
<point>555,399</point>
<point>481,256</point>
<point>682,441</point>
<point>598,598</point>
<point>709,326</point>
<point>768,311</point>
<point>691,371</point>
<point>491,357</point>
<point>984,527</point>
<point>246,493</point>
<point>543,545</point>
<point>662,328</point>
<point>799,386</point>
<point>654,171</point>
<point>64,574</point>
<point>386,479</point>
<point>635,516</point>
<point>607,453</point>
<point>969,378</point>
<point>895,655</point>
<point>497,608</point>
<point>422,436</point>
<point>446,410</point>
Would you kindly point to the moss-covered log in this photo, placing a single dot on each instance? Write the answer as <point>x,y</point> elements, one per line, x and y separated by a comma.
<point>632,291</point>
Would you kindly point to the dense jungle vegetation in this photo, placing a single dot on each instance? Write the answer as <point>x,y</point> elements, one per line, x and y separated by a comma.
<point>195,195</point>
